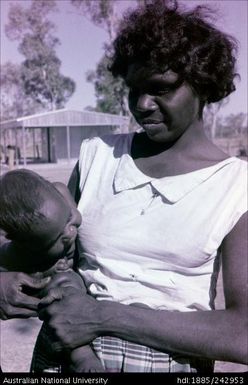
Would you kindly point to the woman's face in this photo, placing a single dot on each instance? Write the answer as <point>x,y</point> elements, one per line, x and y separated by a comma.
<point>162,103</point>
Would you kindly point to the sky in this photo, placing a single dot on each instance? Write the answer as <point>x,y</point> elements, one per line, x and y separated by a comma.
<point>82,46</point>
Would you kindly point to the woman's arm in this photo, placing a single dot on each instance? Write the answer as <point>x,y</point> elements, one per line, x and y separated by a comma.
<point>219,334</point>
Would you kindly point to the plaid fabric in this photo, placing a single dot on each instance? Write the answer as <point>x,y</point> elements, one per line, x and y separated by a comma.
<point>117,356</point>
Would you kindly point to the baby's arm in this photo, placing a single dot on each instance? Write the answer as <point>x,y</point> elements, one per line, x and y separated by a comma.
<point>82,359</point>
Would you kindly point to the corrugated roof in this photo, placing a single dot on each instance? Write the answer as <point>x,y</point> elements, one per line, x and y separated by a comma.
<point>66,118</point>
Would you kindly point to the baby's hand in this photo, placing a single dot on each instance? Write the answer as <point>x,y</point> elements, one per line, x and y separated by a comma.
<point>59,283</point>
<point>61,265</point>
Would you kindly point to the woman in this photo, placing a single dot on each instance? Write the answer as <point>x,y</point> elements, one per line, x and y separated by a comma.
<point>159,207</point>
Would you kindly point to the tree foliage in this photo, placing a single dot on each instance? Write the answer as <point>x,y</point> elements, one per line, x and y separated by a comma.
<point>219,126</point>
<point>14,101</point>
<point>233,125</point>
<point>211,117</point>
<point>40,71</point>
<point>111,94</point>
<point>102,13</point>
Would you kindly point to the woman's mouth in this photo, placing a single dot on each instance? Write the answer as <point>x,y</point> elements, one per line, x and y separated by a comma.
<point>150,121</point>
<point>153,127</point>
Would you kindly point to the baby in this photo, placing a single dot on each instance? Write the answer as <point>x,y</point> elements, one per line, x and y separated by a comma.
<point>41,219</point>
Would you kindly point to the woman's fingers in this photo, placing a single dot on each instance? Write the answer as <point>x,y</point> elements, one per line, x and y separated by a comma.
<point>33,281</point>
<point>17,294</point>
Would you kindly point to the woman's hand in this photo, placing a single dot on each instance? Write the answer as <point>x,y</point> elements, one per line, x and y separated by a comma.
<point>73,319</point>
<point>14,301</point>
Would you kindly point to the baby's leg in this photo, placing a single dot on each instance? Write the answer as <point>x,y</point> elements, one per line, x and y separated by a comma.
<point>84,360</point>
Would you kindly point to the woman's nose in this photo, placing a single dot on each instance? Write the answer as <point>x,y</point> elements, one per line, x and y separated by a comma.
<point>145,103</point>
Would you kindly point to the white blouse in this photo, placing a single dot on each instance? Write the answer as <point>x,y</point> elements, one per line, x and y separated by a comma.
<point>154,241</point>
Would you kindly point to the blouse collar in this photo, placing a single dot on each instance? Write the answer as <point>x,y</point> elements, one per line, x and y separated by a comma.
<point>173,188</point>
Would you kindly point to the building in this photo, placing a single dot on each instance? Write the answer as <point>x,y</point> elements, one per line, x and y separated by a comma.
<point>56,135</point>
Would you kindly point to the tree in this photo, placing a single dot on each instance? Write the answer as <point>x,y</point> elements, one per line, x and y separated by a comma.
<point>111,93</point>
<point>13,101</point>
<point>235,124</point>
<point>211,117</point>
<point>40,71</point>
<point>102,13</point>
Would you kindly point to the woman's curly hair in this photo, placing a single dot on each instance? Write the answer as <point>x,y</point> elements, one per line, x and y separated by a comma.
<point>161,36</point>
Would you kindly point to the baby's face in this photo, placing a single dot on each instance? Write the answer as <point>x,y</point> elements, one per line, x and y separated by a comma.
<point>53,236</point>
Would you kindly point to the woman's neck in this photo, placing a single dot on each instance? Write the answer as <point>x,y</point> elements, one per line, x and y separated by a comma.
<point>192,151</point>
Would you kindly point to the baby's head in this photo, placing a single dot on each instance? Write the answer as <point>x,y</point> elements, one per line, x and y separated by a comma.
<point>38,218</point>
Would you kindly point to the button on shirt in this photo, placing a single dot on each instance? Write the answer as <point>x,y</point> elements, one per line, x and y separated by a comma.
<point>154,241</point>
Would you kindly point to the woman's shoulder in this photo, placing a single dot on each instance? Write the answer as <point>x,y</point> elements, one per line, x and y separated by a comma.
<point>106,144</point>
<point>237,172</point>
<point>234,171</point>
<point>239,166</point>
<point>108,140</point>
<point>242,160</point>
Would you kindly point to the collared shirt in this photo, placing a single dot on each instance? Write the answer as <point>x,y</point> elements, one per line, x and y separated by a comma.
<point>149,240</point>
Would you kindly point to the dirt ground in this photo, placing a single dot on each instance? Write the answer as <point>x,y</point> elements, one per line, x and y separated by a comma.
<point>17,337</point>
